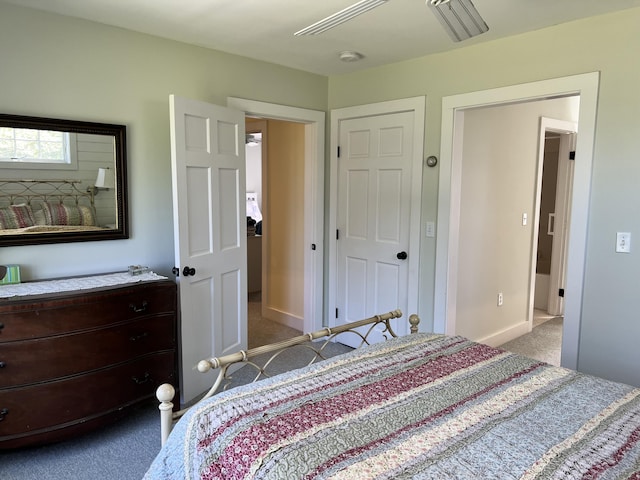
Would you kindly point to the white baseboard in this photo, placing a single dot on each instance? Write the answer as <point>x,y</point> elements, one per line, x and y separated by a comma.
<point>283,318</point>
<point>506,335</point>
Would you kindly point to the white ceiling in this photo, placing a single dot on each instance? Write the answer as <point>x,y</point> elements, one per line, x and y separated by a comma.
<point>263,29</point>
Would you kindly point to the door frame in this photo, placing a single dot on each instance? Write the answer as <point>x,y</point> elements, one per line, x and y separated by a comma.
<point>314,121</point>
<point>584,85</point>
<point>417,105</point>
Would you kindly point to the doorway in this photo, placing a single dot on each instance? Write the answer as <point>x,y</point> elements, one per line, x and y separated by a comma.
<point>447,257</point>
<point>311,230</point>
<point>274,152</point>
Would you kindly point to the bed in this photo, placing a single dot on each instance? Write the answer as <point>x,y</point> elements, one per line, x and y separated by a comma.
<point>419,406</point>
<point>45,206</point>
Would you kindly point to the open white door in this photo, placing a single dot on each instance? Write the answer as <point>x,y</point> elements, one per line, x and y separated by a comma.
<point>562,218</point>
<point>208,172</point>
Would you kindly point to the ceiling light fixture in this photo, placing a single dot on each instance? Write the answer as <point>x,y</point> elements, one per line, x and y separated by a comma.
<point>459,18</point>
<point>350,56</point>
<point>340,17</point>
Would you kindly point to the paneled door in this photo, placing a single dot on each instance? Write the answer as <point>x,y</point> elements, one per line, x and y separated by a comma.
<point>208,173</point>
<point>373,219</point>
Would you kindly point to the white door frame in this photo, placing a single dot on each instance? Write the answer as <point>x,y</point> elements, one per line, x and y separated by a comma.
<point>585,85</point>
<point>314,121</point>
<point>417,105</point>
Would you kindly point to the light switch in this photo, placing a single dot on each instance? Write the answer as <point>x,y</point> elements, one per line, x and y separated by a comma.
<point>431,229</point>
<point>623,242</point>
<point>525,218</point>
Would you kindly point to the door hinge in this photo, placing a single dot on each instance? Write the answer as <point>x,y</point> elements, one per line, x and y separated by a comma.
<point>561,292</point>
<point>572,155</point>
<point>313,246</point>
<point>338,151</point>
<point>337,234</point>
<point>336,312</point>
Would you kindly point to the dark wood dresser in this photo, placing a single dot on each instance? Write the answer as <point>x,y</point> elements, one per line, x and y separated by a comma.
<point>74,361</point>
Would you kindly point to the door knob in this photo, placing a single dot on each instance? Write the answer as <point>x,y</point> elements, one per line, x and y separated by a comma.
<point>402,256</point>
<point>188,271</point>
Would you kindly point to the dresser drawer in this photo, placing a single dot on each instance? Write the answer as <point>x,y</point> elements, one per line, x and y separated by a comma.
<point>32,361</point>
<point>64,403</point>
<point>20,320</point>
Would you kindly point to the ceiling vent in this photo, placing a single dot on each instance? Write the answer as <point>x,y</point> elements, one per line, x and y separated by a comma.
<point>459,18</point>
<point>340,17</point>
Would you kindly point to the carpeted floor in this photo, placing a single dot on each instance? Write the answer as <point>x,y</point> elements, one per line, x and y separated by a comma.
<point>543,343</point>
<point>121,451</point>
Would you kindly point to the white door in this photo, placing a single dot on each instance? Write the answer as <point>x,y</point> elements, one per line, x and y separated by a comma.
<point>564,190</point>
<point>208,172</point>
<point>373,218</point>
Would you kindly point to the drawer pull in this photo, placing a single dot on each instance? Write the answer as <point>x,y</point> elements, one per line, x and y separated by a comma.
<point>140,381</point>
<point>139,309</point>
<point>3,364</point>
<point>3,413</point>
<point>135,338</point>
<point>1,325</point>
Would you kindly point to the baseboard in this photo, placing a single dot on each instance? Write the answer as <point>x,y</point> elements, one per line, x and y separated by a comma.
<point>283,318</point>
<point>506,335</point>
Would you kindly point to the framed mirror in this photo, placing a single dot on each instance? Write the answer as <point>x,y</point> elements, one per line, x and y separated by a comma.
<point>61,181</point>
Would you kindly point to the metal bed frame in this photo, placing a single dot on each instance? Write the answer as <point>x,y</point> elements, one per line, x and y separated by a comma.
<point>316,342</point>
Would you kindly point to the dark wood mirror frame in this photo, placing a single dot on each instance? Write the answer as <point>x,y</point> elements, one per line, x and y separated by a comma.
<point>121,228</point>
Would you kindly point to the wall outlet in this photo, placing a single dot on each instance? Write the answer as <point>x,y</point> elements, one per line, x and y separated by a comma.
<point>500,299</point>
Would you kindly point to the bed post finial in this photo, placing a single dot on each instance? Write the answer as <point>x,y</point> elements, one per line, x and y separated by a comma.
<point>165,394</point>
<point>414,320</point>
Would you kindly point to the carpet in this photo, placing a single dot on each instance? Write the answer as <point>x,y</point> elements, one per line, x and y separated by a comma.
<point>123,451</point>
<point>543,343</point>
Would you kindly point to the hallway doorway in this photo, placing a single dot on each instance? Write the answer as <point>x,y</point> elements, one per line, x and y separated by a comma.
<point>454,109</point>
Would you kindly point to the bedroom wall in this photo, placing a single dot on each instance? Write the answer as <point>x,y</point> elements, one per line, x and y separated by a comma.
<point>69,68</point>
<point>608,44</point>
<point>499,173</point>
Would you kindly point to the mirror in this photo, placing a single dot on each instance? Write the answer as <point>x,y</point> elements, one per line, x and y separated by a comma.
<point>61,181</point>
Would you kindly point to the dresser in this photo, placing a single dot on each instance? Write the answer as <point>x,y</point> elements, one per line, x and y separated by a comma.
<point>74,361</point>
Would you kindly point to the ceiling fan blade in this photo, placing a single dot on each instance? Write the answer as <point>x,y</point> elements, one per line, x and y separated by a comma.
<point>340,17</point>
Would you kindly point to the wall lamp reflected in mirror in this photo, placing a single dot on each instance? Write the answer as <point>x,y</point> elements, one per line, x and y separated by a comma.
<point>104,181</point>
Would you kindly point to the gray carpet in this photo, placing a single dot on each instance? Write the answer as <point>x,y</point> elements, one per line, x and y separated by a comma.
<point>543,343</point>
<point>121,451</point>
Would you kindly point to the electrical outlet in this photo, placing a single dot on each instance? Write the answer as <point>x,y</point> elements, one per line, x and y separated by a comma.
<point>500,299</point>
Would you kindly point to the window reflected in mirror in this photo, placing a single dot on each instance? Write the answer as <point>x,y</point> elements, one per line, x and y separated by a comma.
<point>61,181</point>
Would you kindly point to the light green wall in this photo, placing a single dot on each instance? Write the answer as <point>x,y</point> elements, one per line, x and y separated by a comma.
<point>609,44</point>
<point>62,67</point>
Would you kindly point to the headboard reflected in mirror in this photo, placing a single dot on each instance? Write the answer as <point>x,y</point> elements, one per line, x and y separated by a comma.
<point>61,181</point>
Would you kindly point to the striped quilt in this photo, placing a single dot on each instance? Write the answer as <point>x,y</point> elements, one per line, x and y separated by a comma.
<point>422,406</point>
